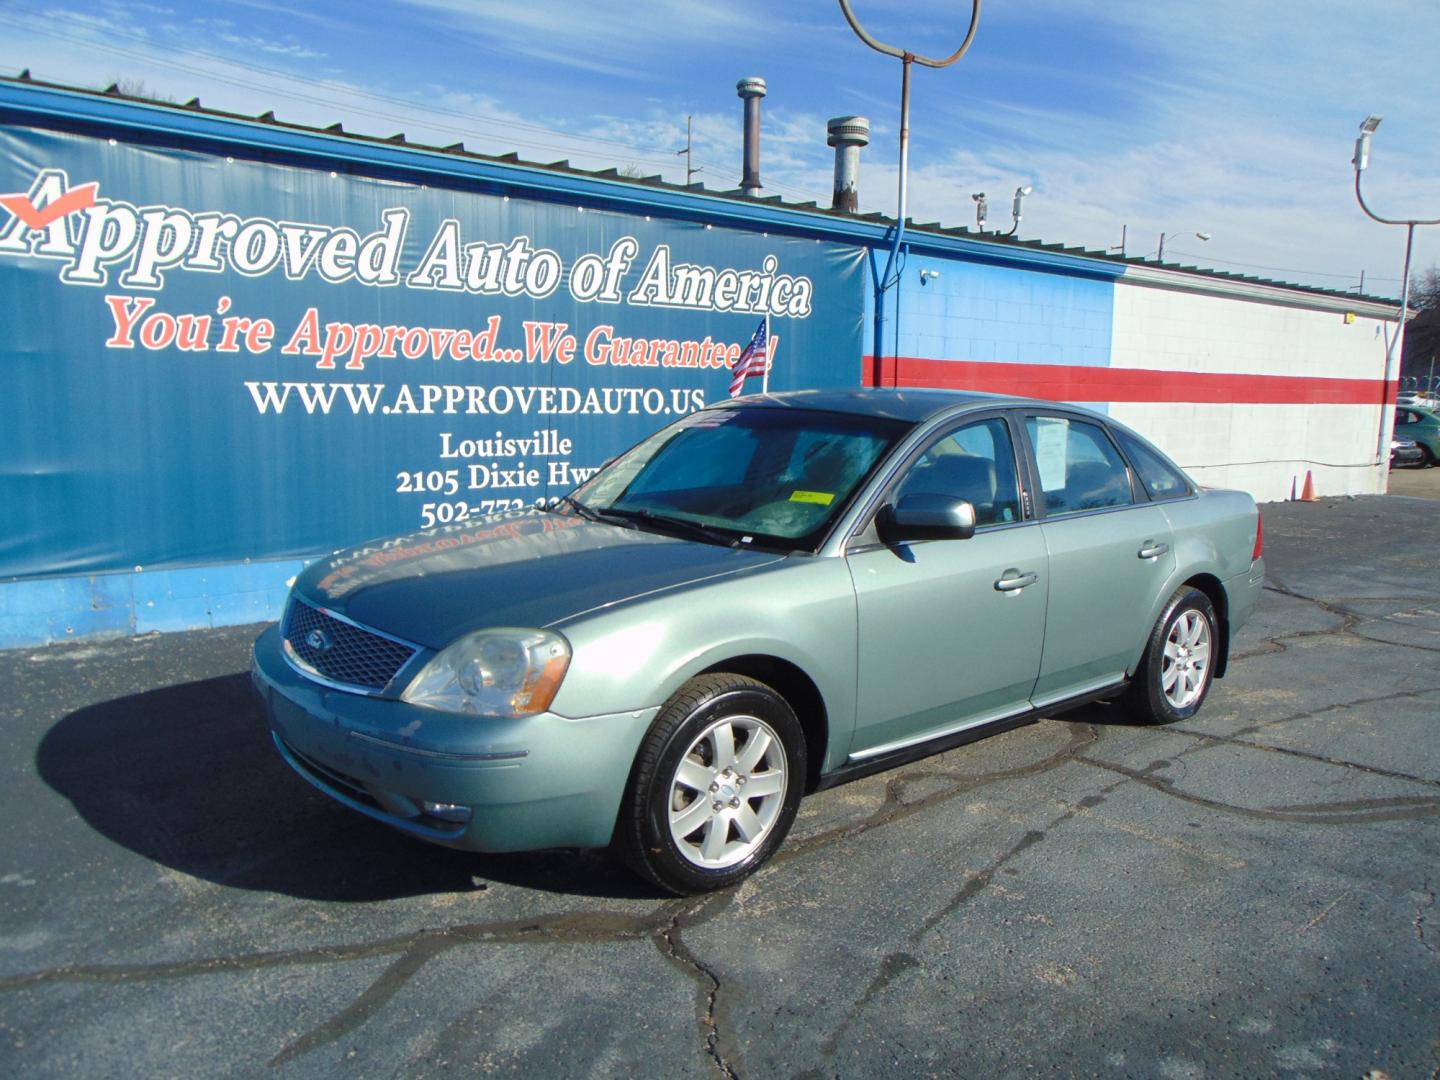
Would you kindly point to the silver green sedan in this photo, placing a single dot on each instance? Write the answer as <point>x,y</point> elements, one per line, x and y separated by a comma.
<point>767,597</point>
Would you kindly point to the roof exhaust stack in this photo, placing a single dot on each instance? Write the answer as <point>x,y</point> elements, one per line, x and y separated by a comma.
<point>751,90</point>
<point>847,134</point>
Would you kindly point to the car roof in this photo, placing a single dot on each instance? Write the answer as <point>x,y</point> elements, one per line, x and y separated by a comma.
<point>912,405</point>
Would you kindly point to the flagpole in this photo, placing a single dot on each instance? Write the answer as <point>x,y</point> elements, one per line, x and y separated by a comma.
<point>769,354</point>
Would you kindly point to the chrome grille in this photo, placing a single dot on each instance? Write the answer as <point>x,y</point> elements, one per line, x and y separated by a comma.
<point>340,651</point>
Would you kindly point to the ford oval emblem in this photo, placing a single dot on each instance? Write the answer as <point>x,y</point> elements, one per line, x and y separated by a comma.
<point>318,640</point>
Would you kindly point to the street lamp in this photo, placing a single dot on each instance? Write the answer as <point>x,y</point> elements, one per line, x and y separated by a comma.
<point>1160,255</point>
<point>883,281</point>
<point>1362,144</point>
<point>1360,161</point>
<point>1016,206</point>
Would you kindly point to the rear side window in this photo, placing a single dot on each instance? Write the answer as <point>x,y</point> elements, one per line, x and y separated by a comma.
<point>1080,469</point>
<point>1161,479</point>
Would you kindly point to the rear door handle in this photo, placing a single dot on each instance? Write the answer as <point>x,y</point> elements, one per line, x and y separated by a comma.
<point>1014,581</point>
<point>1152,550</point>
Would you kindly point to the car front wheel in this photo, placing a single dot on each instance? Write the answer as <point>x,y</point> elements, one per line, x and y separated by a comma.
<point>715,786</point>
<point>1176,671</point>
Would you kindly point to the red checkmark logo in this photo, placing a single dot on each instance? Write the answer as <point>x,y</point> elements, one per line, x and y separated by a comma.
<point>77,199</point>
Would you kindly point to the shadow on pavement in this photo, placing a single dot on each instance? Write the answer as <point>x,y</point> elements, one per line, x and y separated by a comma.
<point>187,776</point>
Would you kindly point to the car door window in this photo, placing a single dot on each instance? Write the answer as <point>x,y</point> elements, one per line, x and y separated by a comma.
<point>975,463</point>
<point>1161,479</point>
<point>1080,468</point>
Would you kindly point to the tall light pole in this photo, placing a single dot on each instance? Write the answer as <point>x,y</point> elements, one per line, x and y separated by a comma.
<point>891,275</point>
<point>1361,160</point>
<point>1160,255</point>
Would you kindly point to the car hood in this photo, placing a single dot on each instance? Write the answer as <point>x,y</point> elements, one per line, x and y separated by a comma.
<point>531,569</point>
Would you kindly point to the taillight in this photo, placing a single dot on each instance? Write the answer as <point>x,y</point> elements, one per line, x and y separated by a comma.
<point>1259,536</point>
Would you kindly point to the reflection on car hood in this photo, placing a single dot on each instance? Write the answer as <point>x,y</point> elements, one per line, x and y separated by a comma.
<point>530,569</point>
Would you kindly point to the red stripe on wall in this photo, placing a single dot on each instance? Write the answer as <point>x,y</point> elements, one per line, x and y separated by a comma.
<point>1068,382</point>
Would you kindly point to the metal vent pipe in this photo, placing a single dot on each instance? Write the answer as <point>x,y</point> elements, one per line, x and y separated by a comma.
<point>750,90</point>
<point>847,134</point>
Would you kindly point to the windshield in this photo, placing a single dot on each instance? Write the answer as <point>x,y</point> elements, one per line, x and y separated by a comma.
<point>773,477</point>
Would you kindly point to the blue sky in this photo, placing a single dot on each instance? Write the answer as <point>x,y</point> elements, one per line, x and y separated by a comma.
<point>1233,117</point>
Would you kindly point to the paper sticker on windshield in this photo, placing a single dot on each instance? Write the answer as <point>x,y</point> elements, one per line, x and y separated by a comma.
<point>819,498</point>
<point>1050,436</point>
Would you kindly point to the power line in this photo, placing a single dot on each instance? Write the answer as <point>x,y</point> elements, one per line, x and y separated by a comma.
<point>1279,269</point>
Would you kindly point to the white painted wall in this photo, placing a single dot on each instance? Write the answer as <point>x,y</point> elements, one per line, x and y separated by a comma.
<point>1259,448</point>
<point>1262,449</point>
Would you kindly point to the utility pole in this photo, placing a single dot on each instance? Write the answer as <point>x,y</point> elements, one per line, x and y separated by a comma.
<point>1361,161</point>
<point>690,173</point>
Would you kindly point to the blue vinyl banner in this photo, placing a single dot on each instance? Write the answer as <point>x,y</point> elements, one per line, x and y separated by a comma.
<point>211,359</point>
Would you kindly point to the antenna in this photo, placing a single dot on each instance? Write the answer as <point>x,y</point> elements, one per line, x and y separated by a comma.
<point>689,146</point>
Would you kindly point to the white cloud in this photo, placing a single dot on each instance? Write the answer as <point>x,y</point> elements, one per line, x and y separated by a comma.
<point>577,35</point>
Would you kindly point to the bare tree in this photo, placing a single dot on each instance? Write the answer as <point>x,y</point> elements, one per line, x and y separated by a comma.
<point>139,88</point>
<point>1422,336</point>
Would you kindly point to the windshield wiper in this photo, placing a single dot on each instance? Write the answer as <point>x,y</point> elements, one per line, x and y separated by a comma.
<point>707,533</point>
<point>589,513</point>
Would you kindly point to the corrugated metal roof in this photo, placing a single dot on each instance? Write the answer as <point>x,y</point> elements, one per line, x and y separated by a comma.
<point>914,231</point>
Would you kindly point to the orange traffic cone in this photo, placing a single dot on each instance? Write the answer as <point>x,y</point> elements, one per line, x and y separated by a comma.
<point>1307,493</point>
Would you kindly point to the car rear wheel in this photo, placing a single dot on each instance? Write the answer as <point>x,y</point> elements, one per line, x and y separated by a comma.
<point>715,786</point>
<point>1178,666</point>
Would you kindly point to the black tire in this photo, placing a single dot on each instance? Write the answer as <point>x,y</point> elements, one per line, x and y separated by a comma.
<point>1147,700</point>
<point>1427,459</point>
<point>687,732</point>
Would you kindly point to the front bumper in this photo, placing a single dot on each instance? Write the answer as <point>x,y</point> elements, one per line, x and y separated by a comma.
<point>538,782</point>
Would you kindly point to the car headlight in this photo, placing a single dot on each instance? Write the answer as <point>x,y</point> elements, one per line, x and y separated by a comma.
<point>503,672</point>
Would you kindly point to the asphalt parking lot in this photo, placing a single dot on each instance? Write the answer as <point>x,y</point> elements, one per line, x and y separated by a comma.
<point>1251,893</point>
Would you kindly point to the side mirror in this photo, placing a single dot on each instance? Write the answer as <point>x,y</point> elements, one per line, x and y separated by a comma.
<point>925,518</point>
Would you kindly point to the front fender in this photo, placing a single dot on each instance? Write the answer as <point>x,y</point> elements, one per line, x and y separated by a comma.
<point>637,655</point>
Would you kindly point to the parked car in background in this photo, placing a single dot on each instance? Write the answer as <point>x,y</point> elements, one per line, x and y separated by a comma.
<point>769,596</point>
<point>1423,426</point>
<point>1423,401</point>
<point>1405,452</point>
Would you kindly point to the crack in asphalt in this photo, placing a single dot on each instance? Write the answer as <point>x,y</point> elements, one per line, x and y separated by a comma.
<point>1376,770</point>
<point>412,952</point>
<point>1350,621</point>
<point>1426,890</point>
<point>707,981</point>
<point>1343,812</point>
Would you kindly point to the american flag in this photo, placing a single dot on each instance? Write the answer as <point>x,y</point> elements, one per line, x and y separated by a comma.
<point>752,359</point>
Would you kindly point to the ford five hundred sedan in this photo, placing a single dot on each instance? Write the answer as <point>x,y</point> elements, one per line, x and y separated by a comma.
<point>767,597</point>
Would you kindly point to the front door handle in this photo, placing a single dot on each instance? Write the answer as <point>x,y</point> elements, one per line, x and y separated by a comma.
<point>1152,550</point>
<point>1013,581</point>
